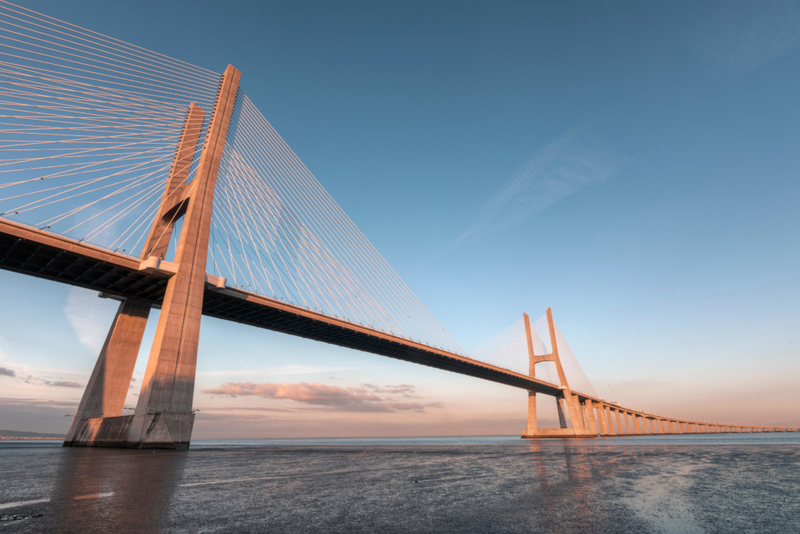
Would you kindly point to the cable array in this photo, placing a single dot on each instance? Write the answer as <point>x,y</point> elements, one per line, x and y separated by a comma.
<point>277,232</point>
<point>508,349</point>
<point>88,128</point>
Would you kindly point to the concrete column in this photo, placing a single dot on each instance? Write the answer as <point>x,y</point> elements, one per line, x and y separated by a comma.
<point>622,429</point>
<point>590,417</point>
<point>643,423</point>
<point>164,414</point>
<point>636,424</point>
<point>105,393</point>
<point>610,420</point>
<point>562,420</point>
<point>679,425</point>
<point>601,419</point>
<point>532,417</point>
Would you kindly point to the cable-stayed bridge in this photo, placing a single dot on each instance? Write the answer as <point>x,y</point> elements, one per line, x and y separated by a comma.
<point>160,184</point>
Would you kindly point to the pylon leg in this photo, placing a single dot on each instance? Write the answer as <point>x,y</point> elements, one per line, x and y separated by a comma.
<point>95,422</point>
<point>164,416</point>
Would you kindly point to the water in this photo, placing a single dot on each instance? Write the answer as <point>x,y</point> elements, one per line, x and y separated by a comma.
<point>675,484</point>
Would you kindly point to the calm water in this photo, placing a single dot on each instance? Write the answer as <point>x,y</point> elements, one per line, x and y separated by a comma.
<point>714,484</point>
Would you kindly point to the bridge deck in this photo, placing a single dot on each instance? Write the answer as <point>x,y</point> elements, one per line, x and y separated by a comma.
<point>31,251</point>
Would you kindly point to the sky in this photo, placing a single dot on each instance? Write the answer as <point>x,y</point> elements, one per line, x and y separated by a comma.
<point>633,166</point>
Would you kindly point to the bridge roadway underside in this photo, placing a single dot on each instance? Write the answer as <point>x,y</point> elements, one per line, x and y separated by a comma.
<point>30,251</point>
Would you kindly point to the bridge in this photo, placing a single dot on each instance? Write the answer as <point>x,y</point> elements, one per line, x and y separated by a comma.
<point>159,184</point>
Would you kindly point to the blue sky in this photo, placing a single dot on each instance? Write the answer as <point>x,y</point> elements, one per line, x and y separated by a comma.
<point>632,166</point>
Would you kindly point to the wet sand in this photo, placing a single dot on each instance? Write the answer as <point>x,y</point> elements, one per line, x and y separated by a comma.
<point>581,486</point>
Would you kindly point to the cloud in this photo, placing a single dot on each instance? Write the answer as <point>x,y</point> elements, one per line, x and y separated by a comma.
<point>280,370</point>
<point>741,35</point>
<point>89,316</point>
<point>568,164</point>
<point>406,390</point>
<point>63,384</point>
<point>7,372</point>
<point>350,399</point>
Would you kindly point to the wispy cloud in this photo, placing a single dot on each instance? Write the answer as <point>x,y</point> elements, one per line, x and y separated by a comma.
<point>739,35</point>
<point>407,390</point>
<point>279,370</point>
<point>350,399</point>
<point>89,316</point>
<point>7,372</point>
<point>62,384</point>
<point>566,165</point>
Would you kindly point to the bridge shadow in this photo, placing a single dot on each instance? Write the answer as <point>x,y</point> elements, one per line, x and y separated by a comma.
<point>112,490</point>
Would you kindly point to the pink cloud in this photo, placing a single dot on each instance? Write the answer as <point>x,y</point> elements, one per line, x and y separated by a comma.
<point>348,399</point>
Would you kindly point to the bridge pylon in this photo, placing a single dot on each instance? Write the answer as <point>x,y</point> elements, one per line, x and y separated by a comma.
<point>582,424</point>
<point>163,417</point>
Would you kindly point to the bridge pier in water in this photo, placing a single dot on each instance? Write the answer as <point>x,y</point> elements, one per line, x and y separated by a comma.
<point>163,417</point>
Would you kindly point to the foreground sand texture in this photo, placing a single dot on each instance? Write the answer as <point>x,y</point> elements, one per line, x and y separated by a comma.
<point>586,486</point>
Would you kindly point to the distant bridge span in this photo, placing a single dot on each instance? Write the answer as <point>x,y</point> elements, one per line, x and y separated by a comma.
<point>114,178</point>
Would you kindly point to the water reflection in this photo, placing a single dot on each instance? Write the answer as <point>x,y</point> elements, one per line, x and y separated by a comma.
<point>108,490</point>
<point>576,480</point>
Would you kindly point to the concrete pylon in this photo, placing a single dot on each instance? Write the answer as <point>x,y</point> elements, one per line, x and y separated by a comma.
<point>572,402</point>
<point>105,393</point>
<point>163,416</point>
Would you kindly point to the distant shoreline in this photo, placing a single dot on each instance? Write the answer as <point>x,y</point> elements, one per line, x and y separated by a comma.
<point>8,435</point>
<point>32,438</point>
